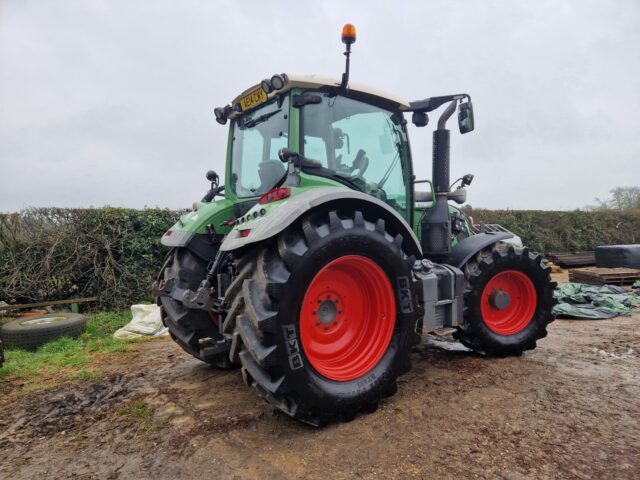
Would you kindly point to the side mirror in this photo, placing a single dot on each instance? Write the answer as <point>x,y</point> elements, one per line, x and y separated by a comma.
<point>465,117</point>
<point>212,176</point>
<point>420,119</point>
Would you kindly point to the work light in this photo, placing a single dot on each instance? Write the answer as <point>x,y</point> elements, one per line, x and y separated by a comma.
<point>220,116</point>
<point>266,85</point>
<point>277,81</point>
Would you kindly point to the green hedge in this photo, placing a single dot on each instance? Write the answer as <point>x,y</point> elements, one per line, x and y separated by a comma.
<point>110,253</point>
<point>115,254</point>
<point>547,231</point>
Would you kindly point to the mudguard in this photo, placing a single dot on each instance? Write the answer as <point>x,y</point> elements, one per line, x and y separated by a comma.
<point>266,221</point>
<point>468,247</point>
<point>209,217</point>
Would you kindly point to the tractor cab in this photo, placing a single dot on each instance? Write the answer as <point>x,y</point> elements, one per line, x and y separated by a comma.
<point>353,138</point>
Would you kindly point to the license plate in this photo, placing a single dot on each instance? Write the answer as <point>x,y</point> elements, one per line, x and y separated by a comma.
<point>254,98</point>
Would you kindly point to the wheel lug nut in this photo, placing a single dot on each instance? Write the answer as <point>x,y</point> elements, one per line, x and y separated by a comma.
<point>326,328</point>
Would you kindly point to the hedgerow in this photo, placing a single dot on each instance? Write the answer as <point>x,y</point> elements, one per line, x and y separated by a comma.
<point>570,231</point>
<point>110,253</point>
<point>115,253</point>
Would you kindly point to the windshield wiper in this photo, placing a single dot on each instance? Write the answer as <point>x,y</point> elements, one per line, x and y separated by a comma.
<point>261,118</point>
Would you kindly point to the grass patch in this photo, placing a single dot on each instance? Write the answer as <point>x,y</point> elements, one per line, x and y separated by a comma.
<point>136,409</point>
<point>143,415</point>
<point>67,358</point>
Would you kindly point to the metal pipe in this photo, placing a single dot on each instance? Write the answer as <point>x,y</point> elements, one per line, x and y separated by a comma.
<point>446,115</point>
<point>345,75</point>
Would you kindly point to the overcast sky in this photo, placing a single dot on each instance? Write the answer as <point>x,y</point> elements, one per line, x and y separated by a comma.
<point>111,102</point>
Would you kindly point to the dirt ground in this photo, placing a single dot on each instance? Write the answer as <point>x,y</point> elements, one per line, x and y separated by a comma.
<point>569,409</point>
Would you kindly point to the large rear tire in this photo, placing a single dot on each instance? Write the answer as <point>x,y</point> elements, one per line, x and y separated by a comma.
<point>190,328</point>
<point>324,325</point>
<point>508,301</point>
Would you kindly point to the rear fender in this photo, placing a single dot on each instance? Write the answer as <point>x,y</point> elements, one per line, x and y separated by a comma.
<point>264,224</point>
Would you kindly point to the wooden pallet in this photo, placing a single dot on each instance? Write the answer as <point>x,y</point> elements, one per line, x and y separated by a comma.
<point>554,268</point>
<point>572,259</point>
<point>602,276</point>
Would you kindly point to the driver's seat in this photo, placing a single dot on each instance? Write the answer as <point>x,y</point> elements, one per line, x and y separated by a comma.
<point>270,173</point>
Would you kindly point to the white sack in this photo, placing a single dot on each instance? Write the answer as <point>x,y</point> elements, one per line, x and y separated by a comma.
<point>146,322</point>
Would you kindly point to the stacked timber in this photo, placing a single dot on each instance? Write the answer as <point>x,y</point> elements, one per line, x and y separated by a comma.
<point>572,259</point>
<point>603,276</point>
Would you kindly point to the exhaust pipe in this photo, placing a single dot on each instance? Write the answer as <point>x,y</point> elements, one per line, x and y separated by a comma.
<point>436,224</point>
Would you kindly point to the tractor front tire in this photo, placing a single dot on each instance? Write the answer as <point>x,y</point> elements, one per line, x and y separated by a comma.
<point>187,326</point>
<point>508,301</point>
<point>326,321</point>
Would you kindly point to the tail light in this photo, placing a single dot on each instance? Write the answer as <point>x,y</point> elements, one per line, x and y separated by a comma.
<point>275,195</point>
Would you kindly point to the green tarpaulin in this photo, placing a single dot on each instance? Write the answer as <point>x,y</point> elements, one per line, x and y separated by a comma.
<point>577,300</point>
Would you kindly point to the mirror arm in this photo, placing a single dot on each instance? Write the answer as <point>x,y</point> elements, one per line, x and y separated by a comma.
<point>430,104</point>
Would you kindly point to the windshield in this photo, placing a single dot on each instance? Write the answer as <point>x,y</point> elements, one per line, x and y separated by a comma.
<point>359,144</point>
<point>257,137</point>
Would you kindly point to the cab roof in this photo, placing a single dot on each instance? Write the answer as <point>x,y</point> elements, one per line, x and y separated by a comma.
<point>319,81</point>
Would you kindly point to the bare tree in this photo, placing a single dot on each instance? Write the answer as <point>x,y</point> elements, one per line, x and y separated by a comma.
<point>622,198</point>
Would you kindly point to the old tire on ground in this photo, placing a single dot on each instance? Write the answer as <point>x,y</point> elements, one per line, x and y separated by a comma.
<point>614,256</point>
<point>30,333</point>
<point>508,301</point>
<point>321,329</point>
<point>190,327</point>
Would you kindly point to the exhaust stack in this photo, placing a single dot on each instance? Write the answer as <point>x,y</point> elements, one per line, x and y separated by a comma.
<point>436,225</point>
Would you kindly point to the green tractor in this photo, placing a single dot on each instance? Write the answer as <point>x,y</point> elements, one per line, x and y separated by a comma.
<point>321,264</point>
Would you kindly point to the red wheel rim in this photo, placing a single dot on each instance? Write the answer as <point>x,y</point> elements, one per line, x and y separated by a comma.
<point>508,302</point>
<point>347,318</point>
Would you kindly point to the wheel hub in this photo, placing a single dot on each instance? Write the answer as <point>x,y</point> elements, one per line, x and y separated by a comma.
<point>327,312</point>
<point>499,299</point>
